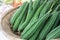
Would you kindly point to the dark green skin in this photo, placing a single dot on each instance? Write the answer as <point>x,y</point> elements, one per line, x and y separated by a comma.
<point>23,19</point>
<point>18,20</point>
<point>34,27</point>
<point>56,22</point>
<point>54,34</point>
<point>16,14</point>
<point>48,26</point>
<point>58,2</point>
<point>46,8</point>
<point>31,14</point>
<point>34,18</point>
<point>21,27</point>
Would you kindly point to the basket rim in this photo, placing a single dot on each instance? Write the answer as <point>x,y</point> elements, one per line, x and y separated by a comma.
<point>5,34</point>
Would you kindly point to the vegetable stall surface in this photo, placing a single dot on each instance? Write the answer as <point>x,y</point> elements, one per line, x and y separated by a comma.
<point>37,20</point>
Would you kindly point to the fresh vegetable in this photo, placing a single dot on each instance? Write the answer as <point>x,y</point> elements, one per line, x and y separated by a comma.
<point>35,17</point>
<point>35,26</point>
<point>48,26</point>
<point>45,9</point>
<point>17,13</point>
<point>18,20</point>
<point>38,20</point>
<point>23,18</point>
<point>55,33</point>
<point>25,23</point>
<point>56,22</point>
<point>29,16</point>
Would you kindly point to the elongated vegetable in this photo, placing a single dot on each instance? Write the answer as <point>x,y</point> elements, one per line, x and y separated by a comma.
<point>34,36</point>
<point>29,16</point>
<point>23,18</point>
<point>32,21</point>
<point>56,9</point>
<point>58,2</point>
<point>45,9</point>
<point>29,11</point>
<point>30,7</point>
<point>41,2</point>
<point>17,13</point>
<point>58,18</point>
<point>54,3</point>
<point>48,26</point>
<point>18,20</point>
<point>35,26</point>
<point>55,33</point>
<point>35,3</point>
<point>56,22</point>
<point>36,33</point>
<point>35,17</point>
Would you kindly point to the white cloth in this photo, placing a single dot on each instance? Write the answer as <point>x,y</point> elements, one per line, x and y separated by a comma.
<point>2,37</point>
<point>3,8</point>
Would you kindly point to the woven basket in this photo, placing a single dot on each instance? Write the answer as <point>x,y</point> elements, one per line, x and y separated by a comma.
<point>6,27</point>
